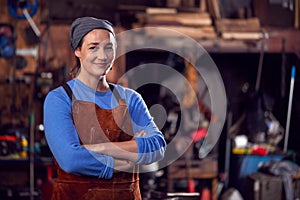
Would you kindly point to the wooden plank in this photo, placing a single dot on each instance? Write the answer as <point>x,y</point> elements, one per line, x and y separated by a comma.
<point>243,35</point>
<point>186,19</point>
<point>195,19</point>
<point>241,29</point>
<point>195,22</point>
<point>152,10</point>
<point>238,25</point>
<point>206,32</point>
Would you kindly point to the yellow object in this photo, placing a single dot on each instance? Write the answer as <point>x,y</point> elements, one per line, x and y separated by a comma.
<point>24,144</point>
<point>241,151</point>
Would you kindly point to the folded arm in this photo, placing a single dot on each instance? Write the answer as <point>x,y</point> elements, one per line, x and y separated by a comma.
<point>63,141</point>
<point>127,150</point>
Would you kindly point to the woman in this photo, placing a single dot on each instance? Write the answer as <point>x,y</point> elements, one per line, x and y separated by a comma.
<point>98,132</point>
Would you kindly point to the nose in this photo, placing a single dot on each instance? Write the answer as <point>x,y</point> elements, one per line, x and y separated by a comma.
<point>101,54</point>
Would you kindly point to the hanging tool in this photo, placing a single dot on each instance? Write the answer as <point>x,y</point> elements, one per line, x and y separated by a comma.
<point>27,9</point>
<point>260,64</point>
<point>255,119</point>
<point>16,7</point>
<point>287,129</point>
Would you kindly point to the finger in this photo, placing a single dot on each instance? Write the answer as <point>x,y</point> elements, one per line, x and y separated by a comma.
<point>140,134</point>
<point>123,165</point>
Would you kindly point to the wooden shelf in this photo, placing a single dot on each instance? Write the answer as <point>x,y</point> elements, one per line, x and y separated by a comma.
<point>279,40</point>
<point>206,168</point>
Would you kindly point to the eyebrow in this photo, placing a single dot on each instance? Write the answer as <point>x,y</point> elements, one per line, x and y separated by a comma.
<point>97,43</point>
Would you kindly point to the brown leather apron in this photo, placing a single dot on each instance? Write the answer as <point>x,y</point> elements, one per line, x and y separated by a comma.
<point>97,125</point>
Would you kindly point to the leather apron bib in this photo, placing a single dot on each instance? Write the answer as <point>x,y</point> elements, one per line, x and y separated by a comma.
<point>97,125</point>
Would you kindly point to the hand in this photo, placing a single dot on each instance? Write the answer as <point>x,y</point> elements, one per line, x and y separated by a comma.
<point>123,166</point>
<point>140,134</point>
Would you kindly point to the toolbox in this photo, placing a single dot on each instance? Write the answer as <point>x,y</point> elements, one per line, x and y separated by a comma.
<point>263,186</point>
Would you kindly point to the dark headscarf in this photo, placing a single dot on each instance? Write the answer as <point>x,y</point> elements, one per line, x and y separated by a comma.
<point>81,26</point>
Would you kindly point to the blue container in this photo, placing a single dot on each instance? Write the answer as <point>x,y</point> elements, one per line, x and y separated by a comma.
<point>243,165</point>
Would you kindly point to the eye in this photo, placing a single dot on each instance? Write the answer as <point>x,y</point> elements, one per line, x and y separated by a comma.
<point>92,47</point>
<point>108,47</point>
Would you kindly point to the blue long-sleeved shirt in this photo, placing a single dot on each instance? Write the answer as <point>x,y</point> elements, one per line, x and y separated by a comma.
<point>63,140</point>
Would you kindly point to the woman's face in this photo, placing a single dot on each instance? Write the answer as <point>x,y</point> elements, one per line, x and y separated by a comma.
<point>96,53</point>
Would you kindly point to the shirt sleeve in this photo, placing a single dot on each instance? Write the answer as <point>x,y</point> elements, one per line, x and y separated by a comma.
<point>63,141</point>
<point>151,148</point>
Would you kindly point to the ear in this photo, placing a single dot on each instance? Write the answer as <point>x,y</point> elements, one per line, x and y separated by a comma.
<point>77,52</point>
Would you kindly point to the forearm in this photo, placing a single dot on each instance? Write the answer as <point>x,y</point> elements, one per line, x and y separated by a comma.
<point>126,150</point>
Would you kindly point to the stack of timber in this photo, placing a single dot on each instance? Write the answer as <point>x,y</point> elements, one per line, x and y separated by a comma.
<point>197,25</point>
<point>240,29</point>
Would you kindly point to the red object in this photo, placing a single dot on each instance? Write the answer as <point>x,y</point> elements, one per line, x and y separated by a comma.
<point>191,185</point>
<point>205,194</point>
<point>259,151</point>
<point>8,138</point>
<point>198,134</point>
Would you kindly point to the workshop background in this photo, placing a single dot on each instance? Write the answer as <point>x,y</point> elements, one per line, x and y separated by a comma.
<point>255,45</point>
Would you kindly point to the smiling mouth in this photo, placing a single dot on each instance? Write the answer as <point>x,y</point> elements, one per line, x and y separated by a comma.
<point>101,64</point>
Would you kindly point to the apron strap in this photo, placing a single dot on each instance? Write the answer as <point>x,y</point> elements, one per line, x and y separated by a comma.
<point>68,90</point>
<point>115,92</point>
<point>112,88</point>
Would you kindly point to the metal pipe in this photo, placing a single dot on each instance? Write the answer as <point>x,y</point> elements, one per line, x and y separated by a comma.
<point>287,129</point>
<point>31,22</point>
<point>31,156</point>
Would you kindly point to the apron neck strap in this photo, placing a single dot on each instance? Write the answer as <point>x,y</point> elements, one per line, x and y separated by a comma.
<point>68,90</point>
<point>111,86</point>
<point>114,91</point>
